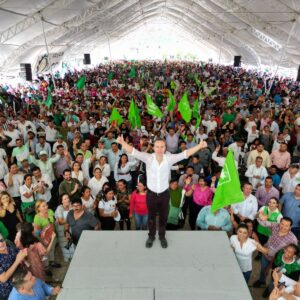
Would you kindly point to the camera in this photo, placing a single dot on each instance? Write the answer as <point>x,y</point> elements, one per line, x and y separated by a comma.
<point>69,244</point>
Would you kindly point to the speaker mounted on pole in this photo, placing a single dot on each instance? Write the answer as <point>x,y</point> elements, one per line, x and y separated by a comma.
<point>26,72</point>
<point>298,75</point>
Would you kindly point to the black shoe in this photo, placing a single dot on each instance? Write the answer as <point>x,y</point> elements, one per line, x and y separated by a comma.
<point>55,265</point>
<point>258,284</point>
<point>164,243</point>
<point>149,242</point>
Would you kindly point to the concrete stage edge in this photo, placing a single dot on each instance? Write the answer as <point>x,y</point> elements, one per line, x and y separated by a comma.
<point>116,265</point>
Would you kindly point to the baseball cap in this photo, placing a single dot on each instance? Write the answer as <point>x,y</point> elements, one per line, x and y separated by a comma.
<point>43,152</point>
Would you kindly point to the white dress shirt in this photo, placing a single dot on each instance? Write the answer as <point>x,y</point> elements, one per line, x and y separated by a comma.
<point>288,183</point>
<point>254,171</point>
<point>158,174</point>
<point>47,190</point>
<point>247,208</point>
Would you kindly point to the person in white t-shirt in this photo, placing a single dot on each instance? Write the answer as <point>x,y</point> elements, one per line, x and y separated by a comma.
<point>290,291</point>
<point>244,247</point>
<point>108,210</point>
<point>248,208</point>
<point>96,183</point>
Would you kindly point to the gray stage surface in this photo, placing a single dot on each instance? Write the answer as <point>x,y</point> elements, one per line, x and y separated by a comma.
<point>116,265</point>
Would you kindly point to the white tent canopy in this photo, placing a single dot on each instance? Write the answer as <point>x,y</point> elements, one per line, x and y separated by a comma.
<point>262,32</point>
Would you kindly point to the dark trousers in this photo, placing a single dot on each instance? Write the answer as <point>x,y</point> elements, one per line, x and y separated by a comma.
<point>157,203</point>
<point>194,211</point>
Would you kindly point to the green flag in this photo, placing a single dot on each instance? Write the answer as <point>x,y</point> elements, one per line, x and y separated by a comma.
<point>80,84</point>
<point>48,101</point>
<point>134,116</point>
<point>132,72</point>
<point>172,102</point>
<point>231,101</point>
<point>152,108</point>
<point>197,80</point>
<point>229,188</point>
<point>115,116</point>
<point>211,90</point>
<point>110,75</point>
<point>184,108</point>
<point>196,113</point>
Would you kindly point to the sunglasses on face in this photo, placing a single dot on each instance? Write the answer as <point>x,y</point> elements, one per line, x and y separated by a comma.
<point>2,240</point>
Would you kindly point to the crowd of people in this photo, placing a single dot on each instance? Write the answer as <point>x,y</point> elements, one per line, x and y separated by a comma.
<point>64,168</point>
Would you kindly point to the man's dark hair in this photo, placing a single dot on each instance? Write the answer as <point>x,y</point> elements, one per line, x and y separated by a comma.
<point>66,170</point>
<point>269,177</point>
<point>76,200</point>
<point>287,219</point>
<point>18,277</point>
<point>35,169</point>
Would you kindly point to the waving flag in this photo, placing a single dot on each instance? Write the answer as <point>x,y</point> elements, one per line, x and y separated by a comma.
<point>115,116</point>
<point>196,113</point>
<point>184,108</point>
<point>134,116</point>
<point>48,101</point>
<point>172,102</point>
<point>229,187</point>
<point>152,108</point>
<point>81,83</point>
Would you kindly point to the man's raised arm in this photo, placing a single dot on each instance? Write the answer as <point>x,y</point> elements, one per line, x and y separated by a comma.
<point>196,148</point>
<point>125,146</point>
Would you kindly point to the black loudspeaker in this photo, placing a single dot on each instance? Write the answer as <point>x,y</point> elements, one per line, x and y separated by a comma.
<point>298,75</point>
<point>87,59</point>
<point>26,72</point>
<point>237,61</point>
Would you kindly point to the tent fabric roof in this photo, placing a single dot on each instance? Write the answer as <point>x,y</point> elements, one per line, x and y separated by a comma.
<point>257,30</point>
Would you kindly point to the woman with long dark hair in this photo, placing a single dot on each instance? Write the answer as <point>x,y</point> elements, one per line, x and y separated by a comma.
<point>122,170</point>
<point>36,251</point>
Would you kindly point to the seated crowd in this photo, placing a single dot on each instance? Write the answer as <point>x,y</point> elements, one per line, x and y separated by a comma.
<point>62,171</point>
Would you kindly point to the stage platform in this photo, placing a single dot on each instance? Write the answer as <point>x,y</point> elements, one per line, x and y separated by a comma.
<point>117,266</point>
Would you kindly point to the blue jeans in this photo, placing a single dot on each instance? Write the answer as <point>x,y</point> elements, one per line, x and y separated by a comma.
<point>264,263</point>
<point>140,221</point>
<point>247,275</point>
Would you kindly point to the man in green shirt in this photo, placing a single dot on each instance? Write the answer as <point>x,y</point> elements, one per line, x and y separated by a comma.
<point>70,186</point>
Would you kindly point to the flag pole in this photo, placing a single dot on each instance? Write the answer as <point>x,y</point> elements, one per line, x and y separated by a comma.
<point>47,50</point>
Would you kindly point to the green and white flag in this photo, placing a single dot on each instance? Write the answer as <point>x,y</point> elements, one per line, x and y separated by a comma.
<point>229,187</point>
<point>184,108</point>
<point>152,108</point>
<point>133,115</point>
<point>80,84</point>
<point>172,102</point>
<point>48,101</point>
<point>196,113</point>
<point>115,116</point>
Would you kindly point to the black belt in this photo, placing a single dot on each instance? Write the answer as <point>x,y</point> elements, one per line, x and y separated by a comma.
<point>157,194</point>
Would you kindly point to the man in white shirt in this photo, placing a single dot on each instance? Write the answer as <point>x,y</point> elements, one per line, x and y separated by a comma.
<point>44,182</point>
<point>248,208</point>
<point>158,168</point>
<point>290,179</point>
<point>237,149</point>
<point>210,124</point>
<point>257,173</point>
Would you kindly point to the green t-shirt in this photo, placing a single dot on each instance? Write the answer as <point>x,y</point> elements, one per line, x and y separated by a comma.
<point>88,154</point>
<point>3,230</point>
<point>290,268</point>
<point>42,222</point>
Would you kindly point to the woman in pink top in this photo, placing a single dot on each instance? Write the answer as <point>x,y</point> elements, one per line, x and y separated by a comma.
<point>138,206</point>
<point>202,196</point>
